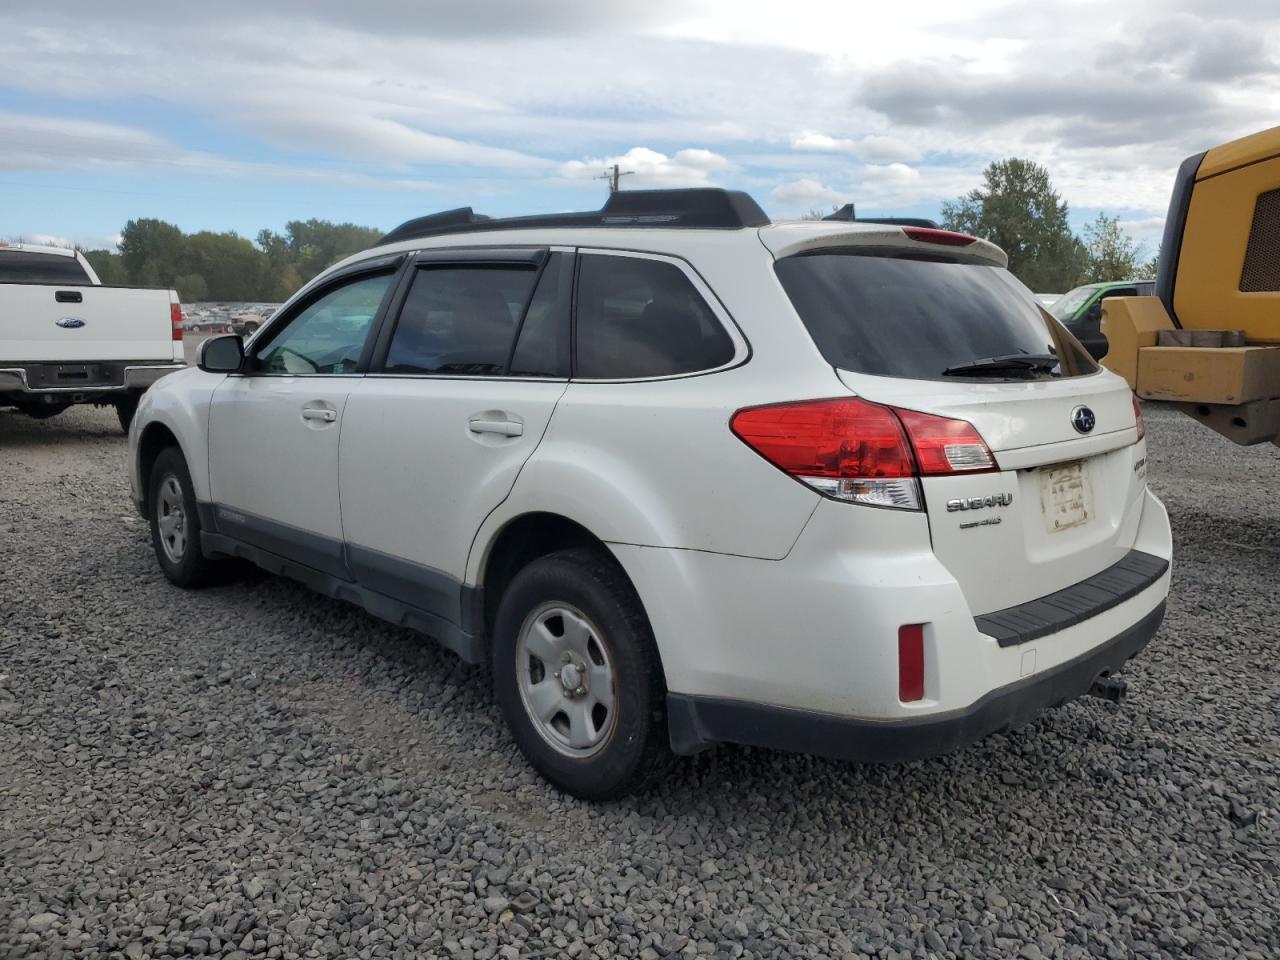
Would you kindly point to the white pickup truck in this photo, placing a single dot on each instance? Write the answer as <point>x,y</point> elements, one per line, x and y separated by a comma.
<point>66,339</point>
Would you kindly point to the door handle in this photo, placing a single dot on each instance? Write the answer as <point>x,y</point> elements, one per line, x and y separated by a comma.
<point>68,296</point>
<point>504,428</point>
<point>319,413</point>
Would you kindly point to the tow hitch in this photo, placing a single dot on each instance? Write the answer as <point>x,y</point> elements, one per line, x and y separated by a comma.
<point>1109,688</point>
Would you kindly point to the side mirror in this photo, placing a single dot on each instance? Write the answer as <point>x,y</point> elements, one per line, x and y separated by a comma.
<point>222,354</point>
<point>1098,347</point>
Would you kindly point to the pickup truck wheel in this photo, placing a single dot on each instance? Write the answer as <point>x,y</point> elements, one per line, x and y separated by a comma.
<point>126,407</point>
<point>175,523</point>
<point>44,411</point>
<point>576,673</point>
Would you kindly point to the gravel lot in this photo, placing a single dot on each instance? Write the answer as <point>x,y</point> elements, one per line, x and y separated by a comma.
<point>251,770</point>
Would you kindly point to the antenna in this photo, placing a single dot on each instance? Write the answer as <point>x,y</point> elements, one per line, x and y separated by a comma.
<point>613,175</point>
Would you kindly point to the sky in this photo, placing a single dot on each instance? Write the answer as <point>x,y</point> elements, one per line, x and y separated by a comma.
<point>242,115</point>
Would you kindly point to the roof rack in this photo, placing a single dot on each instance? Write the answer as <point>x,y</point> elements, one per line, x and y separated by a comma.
<point>846,213</point>
<point>699,207</point>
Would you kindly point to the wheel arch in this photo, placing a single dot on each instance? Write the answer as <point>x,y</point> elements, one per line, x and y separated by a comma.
<point>155,438</point>
<point>518,542</point>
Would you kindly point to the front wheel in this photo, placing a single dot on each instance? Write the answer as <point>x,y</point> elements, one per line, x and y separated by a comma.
<point>576,673</point>
<point>175,523</point>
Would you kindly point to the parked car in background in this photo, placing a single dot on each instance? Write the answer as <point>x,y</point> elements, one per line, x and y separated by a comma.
<point>67,339</point>
<point>1048,299</point>
<point>1080,310</point>
<point>684,476</point>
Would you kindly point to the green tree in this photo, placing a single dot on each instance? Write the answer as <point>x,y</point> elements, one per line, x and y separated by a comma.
<point>108,265</point>
<point>232,267</point>
<point>1111,254</point>
<point>1018,210</point>
<point>153,252</point>
<point>1148,270</point>
<point>191,288</point>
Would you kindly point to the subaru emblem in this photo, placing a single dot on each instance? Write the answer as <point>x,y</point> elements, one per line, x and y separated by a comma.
<point>1083,420</point>
<point>70,323</point>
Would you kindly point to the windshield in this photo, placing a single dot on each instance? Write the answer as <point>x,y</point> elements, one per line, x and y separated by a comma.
<point>889,315</point>
<point>1066,306</point>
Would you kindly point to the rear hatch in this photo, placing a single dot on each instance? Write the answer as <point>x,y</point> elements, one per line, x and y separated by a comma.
<point>925,325</point>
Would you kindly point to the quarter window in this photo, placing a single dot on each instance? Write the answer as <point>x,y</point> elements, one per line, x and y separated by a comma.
<point>460,320</point>
<point>638,317</point>
<point>328,335</point>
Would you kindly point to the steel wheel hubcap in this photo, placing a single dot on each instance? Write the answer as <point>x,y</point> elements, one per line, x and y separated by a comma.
<point>171,518</point>
<point>567,682</point>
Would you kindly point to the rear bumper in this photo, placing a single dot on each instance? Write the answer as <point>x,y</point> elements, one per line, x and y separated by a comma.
<point>698,722</point>
<point>104,377</point>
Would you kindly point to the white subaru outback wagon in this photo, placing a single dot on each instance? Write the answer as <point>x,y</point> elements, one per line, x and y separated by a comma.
<point>684,476</point>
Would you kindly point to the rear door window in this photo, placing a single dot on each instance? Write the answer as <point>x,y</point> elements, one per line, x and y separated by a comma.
<point>894,316</point>
<point>24,266</point>
<point>460,320</point>
<point>638,317</point>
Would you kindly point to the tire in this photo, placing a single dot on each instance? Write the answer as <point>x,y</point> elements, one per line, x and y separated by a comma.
<point>614,748</point>
<point>126,407</point>
<point>169,493</point>
<point>44,411</point>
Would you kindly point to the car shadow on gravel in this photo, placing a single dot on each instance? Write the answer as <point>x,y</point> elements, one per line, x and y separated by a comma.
<point>19,431</point>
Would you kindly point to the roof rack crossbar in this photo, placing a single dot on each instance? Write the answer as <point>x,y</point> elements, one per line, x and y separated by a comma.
<point>698,207</point>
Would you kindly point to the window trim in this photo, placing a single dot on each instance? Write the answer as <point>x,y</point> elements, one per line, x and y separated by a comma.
<point>393,266</point>
<point>741,347</point>
<point>482,257</point>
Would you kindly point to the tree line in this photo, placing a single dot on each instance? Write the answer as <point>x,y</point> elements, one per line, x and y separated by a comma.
<point>1018,209</point>
<point>226,266</point>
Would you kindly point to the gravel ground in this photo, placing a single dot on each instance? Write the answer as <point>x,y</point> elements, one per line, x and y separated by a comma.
<point>251,770</point>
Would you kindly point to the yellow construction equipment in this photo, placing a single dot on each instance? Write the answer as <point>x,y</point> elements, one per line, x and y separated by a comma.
<point>1209,340</point>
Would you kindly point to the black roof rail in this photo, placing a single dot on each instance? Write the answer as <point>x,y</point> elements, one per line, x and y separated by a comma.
<point>697,207</point>
<point>846,213</point>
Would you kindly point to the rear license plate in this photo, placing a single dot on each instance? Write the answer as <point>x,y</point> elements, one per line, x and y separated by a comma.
<point>1064,496</point>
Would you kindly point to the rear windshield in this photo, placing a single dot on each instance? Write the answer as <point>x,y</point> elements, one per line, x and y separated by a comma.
<point>23,266</point>
<point>895,316</point>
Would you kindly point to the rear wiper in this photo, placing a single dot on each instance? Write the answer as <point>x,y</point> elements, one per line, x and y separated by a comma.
<point>1009,362</point>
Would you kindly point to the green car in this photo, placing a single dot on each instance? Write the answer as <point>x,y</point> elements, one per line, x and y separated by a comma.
<point>1080,310</point>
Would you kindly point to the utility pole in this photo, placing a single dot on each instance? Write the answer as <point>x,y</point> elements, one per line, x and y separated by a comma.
<point>613,176</point>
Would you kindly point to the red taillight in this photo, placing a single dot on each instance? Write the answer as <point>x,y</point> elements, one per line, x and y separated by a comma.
<point>911,662</point>
<point>827,438</point>
<point>945,446</point>
<point>175,317</point>
<point>1137,416</point>
<point>854,450</point>
<point>947,238</point>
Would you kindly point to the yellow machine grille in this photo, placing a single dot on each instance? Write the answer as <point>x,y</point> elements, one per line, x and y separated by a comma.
<point>1261,273</point>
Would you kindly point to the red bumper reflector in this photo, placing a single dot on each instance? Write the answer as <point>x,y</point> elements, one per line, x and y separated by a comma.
<point>911,662</point>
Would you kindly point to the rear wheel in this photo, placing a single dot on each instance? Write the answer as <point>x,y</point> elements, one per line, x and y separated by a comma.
<point>175,523</point>
<point>45,411</point>
<point>576,673</point>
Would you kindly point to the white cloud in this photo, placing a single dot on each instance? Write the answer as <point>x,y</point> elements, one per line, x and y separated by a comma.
<point>799,196</point>
<point>890,173</point>
<point>693,167</point>
<point>1143,225</point>
<point>872,147</point>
